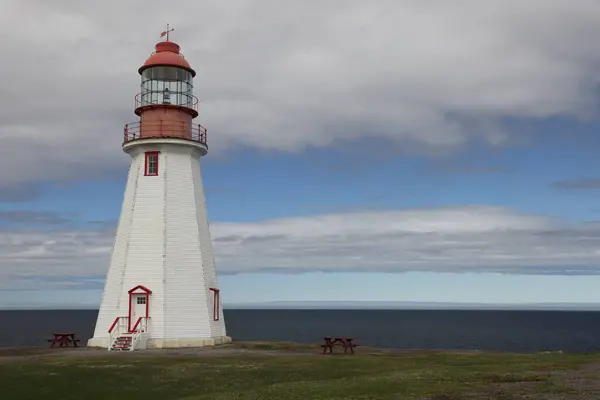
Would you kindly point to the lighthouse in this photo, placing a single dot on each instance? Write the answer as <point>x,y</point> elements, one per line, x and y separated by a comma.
<point>161,289</point>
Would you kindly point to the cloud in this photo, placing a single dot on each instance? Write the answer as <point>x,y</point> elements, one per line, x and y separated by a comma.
<point>470,238</point>
<point>31,217</point>
<point>421,76</point>
<point>462,167</point>
<point>478,238</point>
<point>578,184</point>
<point>44,257</point>
<point>19,192</point>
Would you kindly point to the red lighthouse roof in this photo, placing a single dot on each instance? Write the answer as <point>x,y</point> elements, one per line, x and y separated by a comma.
<point>167,54</point>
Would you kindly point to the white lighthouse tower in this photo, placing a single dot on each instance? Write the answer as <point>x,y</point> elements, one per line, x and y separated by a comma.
<point>161,289</point>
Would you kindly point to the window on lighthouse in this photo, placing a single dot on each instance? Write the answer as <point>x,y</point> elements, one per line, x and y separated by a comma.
<point>151,163</point>
<point>216,302</point>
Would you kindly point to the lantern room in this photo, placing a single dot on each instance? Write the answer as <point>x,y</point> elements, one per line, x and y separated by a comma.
<point>167,80</point>
<point>167,85</point>
<point>166,103</point>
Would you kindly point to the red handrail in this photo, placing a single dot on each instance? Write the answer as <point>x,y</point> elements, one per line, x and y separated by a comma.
<point>114,324</point>
<point>136,325</point>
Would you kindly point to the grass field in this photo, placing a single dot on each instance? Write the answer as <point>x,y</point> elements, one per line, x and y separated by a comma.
<point>282,371</point>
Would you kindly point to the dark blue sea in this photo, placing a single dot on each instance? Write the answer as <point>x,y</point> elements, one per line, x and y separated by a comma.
<point>516,331</point>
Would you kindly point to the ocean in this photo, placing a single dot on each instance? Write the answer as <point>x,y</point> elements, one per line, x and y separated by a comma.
<point>514,331</point>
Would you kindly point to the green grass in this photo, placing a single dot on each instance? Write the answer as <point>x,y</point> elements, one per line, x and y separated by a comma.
<point>307,376</point>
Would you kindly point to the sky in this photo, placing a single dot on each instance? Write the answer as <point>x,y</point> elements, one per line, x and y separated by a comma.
<point>358,151</point>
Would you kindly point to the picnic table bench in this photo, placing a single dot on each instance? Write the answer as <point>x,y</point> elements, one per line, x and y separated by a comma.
<point>331,342</point>
<point>64,339</point>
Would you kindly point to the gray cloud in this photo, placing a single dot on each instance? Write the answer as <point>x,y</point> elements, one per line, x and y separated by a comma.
<point>420,76</point>
<point>470,169</point>
<point>380,78</point>
<point>452,239</point>
<point>19,192</point>
<point>32,217</point>
<point>576,184</point>
<point>102,224</point>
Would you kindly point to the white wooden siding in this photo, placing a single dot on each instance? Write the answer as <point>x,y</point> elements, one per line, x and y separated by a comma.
<point>217,328</point>
<point>109,304</point>
<point>163,243</point>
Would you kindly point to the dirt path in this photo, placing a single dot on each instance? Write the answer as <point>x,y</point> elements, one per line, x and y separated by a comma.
<point>579,384</point>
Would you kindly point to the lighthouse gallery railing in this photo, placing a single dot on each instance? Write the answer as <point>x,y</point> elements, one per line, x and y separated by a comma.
<point>164,129</point>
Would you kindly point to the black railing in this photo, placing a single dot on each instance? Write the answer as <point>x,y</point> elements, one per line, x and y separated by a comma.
<point>159,129</point>
<point>142,100</point>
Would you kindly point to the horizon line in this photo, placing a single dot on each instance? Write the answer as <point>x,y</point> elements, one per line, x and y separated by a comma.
<point>354,305</point>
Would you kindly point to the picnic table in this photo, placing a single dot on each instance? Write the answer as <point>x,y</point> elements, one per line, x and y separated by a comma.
<point>64,339</point>
<point>331,342</point>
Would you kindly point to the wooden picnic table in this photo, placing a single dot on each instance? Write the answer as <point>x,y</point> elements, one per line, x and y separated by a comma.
<point>64,339</point>
<point>331,342</point>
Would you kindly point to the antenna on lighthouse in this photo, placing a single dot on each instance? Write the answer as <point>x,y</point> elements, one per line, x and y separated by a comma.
<point>166,32</point>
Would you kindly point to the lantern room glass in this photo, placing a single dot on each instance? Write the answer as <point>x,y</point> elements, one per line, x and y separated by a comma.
<point>167,85</point>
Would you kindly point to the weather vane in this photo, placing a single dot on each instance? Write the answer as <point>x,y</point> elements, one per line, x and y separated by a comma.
<point>166,33</point>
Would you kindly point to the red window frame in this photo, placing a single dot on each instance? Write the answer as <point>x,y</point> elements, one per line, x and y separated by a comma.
<point>147,156</point>
<point>216,302</point>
